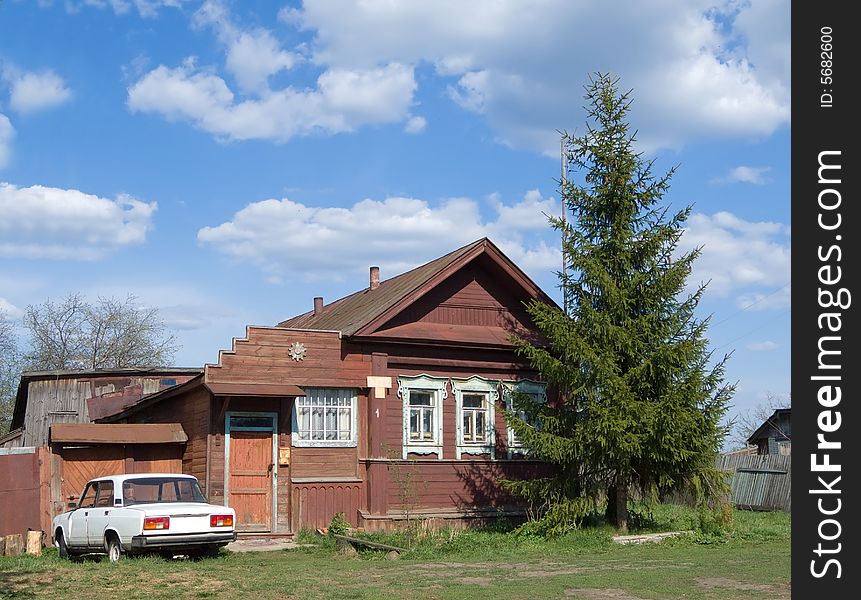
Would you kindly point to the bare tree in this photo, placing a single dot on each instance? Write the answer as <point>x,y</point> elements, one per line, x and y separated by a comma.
<point>748,422</point>
<point>10,368</point>
<point>109,333</point>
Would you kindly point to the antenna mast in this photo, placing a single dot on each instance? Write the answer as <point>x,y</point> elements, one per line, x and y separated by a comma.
<point>564,195</point>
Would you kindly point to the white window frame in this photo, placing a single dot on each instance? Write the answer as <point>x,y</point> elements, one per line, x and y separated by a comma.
<point>437,387</point>
<point>476,385</point>
<point>537,389</point>
<point>314,392</point>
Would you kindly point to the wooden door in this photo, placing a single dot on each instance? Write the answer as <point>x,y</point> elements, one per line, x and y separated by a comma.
<point>250,479</point>
<point>83,464</point>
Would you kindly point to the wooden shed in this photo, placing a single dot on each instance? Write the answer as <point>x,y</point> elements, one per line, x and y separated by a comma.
<point>37,483</point>
<point>383,405</point>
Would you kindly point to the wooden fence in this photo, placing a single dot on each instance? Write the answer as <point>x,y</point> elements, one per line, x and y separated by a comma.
<point>759,482</point>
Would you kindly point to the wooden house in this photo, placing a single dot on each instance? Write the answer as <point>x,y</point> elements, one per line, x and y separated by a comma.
<point>384,405</point>
<point>774,436</point>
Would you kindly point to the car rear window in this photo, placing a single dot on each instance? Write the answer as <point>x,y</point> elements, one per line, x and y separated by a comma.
<point>161,489</point>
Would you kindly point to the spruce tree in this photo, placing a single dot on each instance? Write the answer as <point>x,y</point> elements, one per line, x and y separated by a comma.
<point>637,399</point>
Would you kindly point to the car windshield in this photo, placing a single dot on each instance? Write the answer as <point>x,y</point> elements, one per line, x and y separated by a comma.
<point>147,490</point>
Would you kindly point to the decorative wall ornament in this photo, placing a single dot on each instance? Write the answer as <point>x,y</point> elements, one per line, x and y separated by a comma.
<point>297,351</point>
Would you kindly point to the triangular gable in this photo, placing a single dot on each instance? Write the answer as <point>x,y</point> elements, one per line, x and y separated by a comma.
<point>483,248</point>
<point>369,311</point>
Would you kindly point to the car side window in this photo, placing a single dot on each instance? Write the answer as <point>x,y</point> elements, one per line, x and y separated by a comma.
<point>106,494</point>
<point>88,498</point>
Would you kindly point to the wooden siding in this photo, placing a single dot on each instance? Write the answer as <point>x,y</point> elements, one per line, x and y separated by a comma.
<point>472,296</point>
<point>192,411</point>
<point>264,357</point>
<point>461,484</point>
<point>52,401</point>
<point>323,462</point>
<point>66,399</point>
<point>760,482</point>
<point>316,503</point>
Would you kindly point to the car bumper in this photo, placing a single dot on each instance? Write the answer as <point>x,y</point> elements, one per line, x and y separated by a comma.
<point>154,542</point>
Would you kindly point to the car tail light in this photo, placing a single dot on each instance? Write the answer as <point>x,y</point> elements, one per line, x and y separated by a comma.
<point>157,523</point>
<point>221,521</point>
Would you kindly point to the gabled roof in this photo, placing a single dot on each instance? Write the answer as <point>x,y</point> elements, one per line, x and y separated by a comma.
<point>771,427</point>
<point>365,311</point>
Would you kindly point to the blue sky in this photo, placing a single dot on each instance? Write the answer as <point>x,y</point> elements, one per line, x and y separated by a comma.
<point>228,161</point>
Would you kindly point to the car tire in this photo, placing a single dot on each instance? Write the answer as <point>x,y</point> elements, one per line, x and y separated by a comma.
<point>61,545</point>
<point>113,548</point>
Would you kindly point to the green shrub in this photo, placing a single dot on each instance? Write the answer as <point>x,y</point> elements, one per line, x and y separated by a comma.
<point>339,525</point>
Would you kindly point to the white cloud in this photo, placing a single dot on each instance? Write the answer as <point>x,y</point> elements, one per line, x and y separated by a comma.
<point>739,255</point>
<point>252,56</point>
<point>145,8</point>
<point>31,92</point>
<point>416,125</point>
<point>7,132</point>
<point>45,222</point>
<point>762,346</point>
<point>698,68</point>
<point>289,239</point>
<point>9,310</point>
<point>342,102</point>
<point>743,174</point>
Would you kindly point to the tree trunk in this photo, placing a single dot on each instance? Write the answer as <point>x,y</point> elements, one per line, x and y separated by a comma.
<point>610,512</point>
<point>617,506</point>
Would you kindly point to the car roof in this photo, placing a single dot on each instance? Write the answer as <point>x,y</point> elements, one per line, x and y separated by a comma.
<point>119,479</point>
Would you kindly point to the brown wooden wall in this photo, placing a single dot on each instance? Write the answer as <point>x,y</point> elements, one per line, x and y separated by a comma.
<point>192,411</point>
<point>264,357</point>
<point>316,503</point>
<point>461,484</point>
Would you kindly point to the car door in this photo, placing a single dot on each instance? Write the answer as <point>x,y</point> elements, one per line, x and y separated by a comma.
<point>100,514</point>
<point>77,534</point>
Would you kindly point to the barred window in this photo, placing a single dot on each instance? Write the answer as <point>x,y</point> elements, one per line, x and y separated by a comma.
<point>325,416</point>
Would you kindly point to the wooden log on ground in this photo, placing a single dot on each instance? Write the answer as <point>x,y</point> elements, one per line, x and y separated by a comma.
<point>14,545</point>
<point>34,542</point>
<point>368,543</point>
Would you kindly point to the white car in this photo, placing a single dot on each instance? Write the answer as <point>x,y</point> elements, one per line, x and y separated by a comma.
<point>147,512</point>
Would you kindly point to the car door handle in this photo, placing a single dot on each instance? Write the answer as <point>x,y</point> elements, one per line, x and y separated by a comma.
<point>106,512</point>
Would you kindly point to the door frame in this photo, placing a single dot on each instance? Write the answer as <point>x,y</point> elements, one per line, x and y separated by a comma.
<point>273,417</point>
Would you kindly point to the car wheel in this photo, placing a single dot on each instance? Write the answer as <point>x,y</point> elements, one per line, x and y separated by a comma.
<point>61,544</point>
<point>114,549</point>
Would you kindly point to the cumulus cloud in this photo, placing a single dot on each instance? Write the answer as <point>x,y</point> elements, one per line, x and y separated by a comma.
<point>416,125</point>
<point>252,55</point>
<point>46,222</point>
<point>742,174</point>
<point>342,102</point>
<point>31,91</point>
<point>9,310</point>
<point>742,257</point>
<point>699,68</point>
<point>288,239</point>
<point>7,132</point>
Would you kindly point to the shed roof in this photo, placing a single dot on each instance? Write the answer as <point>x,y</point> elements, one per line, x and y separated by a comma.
<point>118,433</point>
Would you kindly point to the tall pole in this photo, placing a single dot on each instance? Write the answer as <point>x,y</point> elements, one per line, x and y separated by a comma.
<point>563,194</point>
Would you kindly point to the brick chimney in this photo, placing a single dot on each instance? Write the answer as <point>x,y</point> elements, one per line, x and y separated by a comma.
<point>375,277</point>
<point>318,305</point>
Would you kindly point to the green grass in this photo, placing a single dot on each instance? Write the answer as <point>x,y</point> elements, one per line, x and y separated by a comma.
<point>750,561</point>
